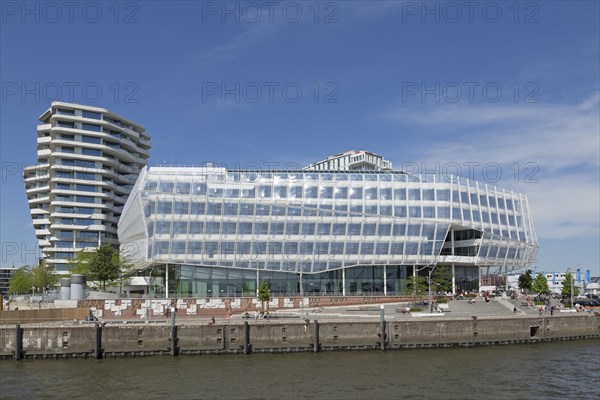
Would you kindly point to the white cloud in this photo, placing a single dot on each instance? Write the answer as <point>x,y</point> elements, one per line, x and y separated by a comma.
<point>562,140</point>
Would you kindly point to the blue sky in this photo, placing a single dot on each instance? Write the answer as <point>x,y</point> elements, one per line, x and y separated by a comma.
<point>507,93</point>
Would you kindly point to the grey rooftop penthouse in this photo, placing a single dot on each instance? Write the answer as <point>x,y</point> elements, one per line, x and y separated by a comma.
<point>208,231</point>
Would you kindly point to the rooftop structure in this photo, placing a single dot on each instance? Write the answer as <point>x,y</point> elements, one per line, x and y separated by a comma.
<point>352,161</point>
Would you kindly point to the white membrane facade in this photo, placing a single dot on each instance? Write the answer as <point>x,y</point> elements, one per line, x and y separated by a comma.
<point>88,160</point>
<point>215,232</point>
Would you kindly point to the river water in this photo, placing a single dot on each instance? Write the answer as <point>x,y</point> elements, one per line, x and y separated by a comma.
<point>558,370</point>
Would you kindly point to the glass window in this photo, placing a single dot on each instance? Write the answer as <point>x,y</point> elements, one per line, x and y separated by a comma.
<point>292,228</point>
<point>91,152</point>
<point>456,213</point>
<point>483,199</point>
<point>341,192</point>
<point>280,192</point>
<point>198,208</point>
<point>384,229</point>
<point>65,124</point>
<point>183,188</point>
<point>371,209</point>
<point>414,212</point>
<point>85,176</point>
<point>492,202</point>
<point>466,214</point>
<point>245,228</point>
<point>385,193</point>
<point>464,198</point>
<point>308,228</point>
<point>179,227</point>
<point>181,207</point>
<point>352,247</point>
<point>295,192</point>
<point>323,228</point>
<point>414,230</point>
<point>263,209</point>
<point>428,194</point>
<point>443,195</point>
<point>397,248</point>
<point>261,228</point>
<point>306,248</point>
<point>213,227</point>
<point>277,228</point>
<point>230,209</point>
<point>400,194</point>
<point>382,249</point>
<point>356,193</point>
<point>400,211</point>
<point>443,212</point>
<point>385,210</point>
<point>91,127</point>
<point>339,229</point>
<point>310,192</point>
<point>485,217</point>
<point>369,229</point>
<point>411,248</point>
<point>229,228</point>
<point>326,192</point>
<point>162,227</point>
<point>214,208</point>
<point>91,114</point>
<point>428,212</point>
<point>370,193</point>
<point>199,189</point>
<point>164,207</point>
<point>166,187</point>
<point>264,191</point>
<point>215,192</point>
<point>366,248</point>
<point>85,199</point>
<point>196,228</point>
<point>356,208</point>
<point>278,210</point>
<point>354,229</point>
<point>414,194</point>
<point>85,188</point>
<point>232,193</point>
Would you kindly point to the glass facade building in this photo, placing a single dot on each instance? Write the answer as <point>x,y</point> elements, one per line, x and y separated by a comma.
<point>208,231</point>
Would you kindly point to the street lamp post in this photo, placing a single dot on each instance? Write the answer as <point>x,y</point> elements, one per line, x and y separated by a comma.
<point>571,275</point>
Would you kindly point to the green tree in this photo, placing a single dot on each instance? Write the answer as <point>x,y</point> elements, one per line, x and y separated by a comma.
<point>20,282</point>
<point>525,280</point>
<point>103,267</point>
<point>540,284</point>
<point>81,263</point>
<point>441,280</point>
<point>417,285</point>
<point>264,293</point>
<point>43,277</point>
<point>566,286</point>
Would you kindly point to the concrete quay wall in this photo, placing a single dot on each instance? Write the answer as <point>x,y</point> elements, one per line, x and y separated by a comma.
<point>141,339</point>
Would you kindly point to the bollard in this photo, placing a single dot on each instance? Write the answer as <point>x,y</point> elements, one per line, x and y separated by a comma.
<point>316,336</point>
<point>18,342</point>
<point>247,346</point>
<point>382,326</point>
<point>98,346</point>
<point>173,333</point>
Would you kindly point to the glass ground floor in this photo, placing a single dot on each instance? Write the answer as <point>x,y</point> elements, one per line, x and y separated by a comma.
<point>173,280</point>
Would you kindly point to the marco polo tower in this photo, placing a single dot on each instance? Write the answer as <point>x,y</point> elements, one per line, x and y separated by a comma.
<point>88,159</point>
